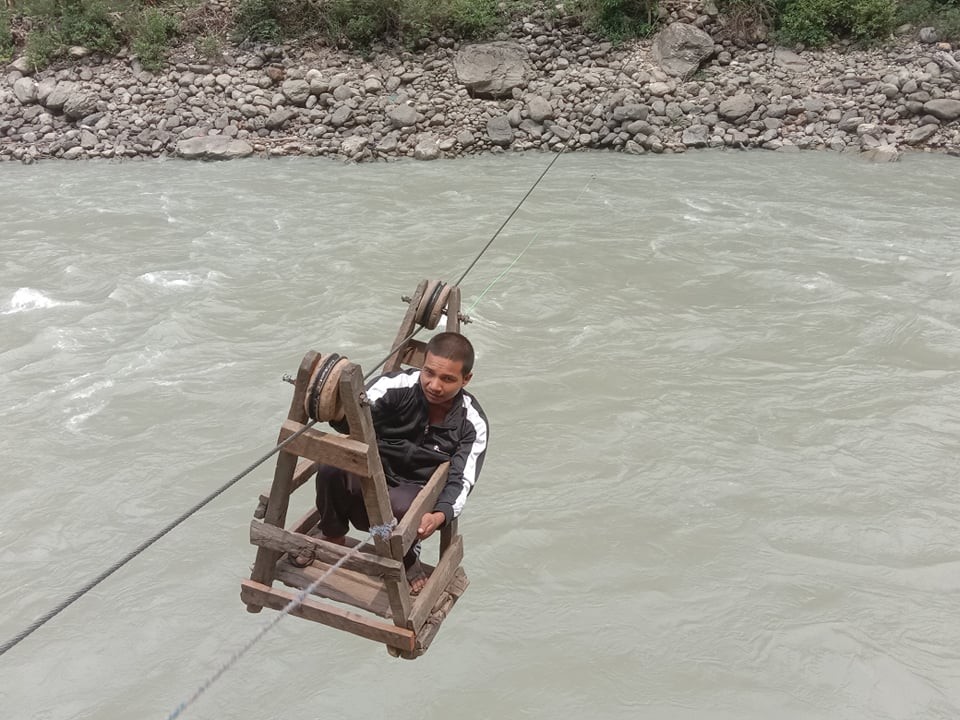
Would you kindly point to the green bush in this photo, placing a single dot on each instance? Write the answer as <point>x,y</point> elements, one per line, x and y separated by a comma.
<point>619,20</point>
<point>815,23</point>
<point>153,36</point>
<point>944,15</point>
<point>43,47</point>
<point>7,48</point>
<point>257,20</point>
<point>88,23</point>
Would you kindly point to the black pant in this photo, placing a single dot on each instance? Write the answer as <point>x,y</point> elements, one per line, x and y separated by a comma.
<point>340,502</point>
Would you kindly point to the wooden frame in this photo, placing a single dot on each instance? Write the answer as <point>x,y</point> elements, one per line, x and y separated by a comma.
<point>372,580</point>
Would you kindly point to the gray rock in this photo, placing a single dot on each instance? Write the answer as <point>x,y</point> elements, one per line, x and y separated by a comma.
<point>789,60</point>
<point>680,48</point>
<point>25,90</point>
<point>632,111</point>
<point>22,65</point>
<point>659,89</point>
<point>353,146</point>
<point>945,109</point>
<point>736,107</point>
<point>695,136</point>
<point>80,104</point>
<point>466,138</point>
<point>500,131</point>
<point>539,109</point>
<point>296,91</point>
<point>87,140</point>
<point>213,147</point>
<point>57,97</point>
<point>492,69</point>
<point>343,92</point>
<point>278,118</point>
<point>514,116</point>
<point>372,85</point>
<point>921,134</point>
<point>388,144</point>
<point>850,124</point>
<point>882,153</point>
<point>929,35</point>
<point>427,148</point>
<point>341,116</point>
<point>402,116</point>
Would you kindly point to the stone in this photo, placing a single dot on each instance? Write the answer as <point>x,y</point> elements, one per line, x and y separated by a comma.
<point>659,89</point>
<point>372,85</point>
<point>921,134</point>
<point>466,138</point>
<point>929,35</point>
<point>402,116</point>
<point>500,131</point>
<point>945,109</point>
<point>539,109</point>
<point>427,148</point>
<point>789,60</point>
<point>353,145</point>
<point>341,116</point>
<point>25,90</point>
<point>736,107</point>
<point>80,104</point>
<point>296,91</point>
<point>343,92</point>
<point>22,65</point>
<point>57,97</point>
<point>680,48</point>
<point>629,112</point>
<point>213,147</point>
<point>695,136</point>
<point>278,118</point>
<point>883,153</point>
<point>87,140</point>
<point>492,69</point>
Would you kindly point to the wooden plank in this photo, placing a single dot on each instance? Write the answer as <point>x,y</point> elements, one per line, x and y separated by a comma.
<point>440,612</point>
<point>346,586</point>
<point>424,502</point>
<point>307,522</point>
<point>372,629</point>
<point>306,469</point>
<point>376,497</point>
<point>406,328</point>
<point>327,448</point>
<point>447,534</point>
<point>415,353</point>
<point>279,500</point>
<point>453,310</point>
<point>436,584</point>
<point>296,544</point>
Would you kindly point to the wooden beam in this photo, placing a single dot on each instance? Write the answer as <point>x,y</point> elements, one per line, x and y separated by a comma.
<point>453,310</point>
<point>254,593</point>
<point>346,586</point>
<point>327,448</point>
<point>424,502</point>
<point>406,328</point>
<point>376,497</point>
<point>296,544</point>
<point>415,353</point>
<point>436,584</point>
<point>306,469</point>
<point>440,612</point>
<point>447,534</point>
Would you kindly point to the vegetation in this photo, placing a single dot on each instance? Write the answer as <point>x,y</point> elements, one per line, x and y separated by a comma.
<point>46,29</point>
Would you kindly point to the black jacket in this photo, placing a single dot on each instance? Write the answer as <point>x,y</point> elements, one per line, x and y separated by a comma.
<point>411,448</point>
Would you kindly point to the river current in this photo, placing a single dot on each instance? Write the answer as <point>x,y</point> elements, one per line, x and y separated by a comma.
<point>724,394</point>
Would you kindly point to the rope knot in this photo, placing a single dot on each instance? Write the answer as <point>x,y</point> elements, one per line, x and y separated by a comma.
<point>384,531</point>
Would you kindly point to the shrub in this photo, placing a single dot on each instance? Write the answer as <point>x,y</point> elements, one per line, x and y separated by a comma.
<point>817,22</point>
<point>209,47</point>
<point>257,20</point>
<point>6,37</point>
<point>618,20</point>
<point>944,15</point>
<point>360,23</point>
<point>153,37</point>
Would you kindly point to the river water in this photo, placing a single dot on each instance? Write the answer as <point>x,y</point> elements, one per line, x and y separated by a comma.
<point>725,408</point>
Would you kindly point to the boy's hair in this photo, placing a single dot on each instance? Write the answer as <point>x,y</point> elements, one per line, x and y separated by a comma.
<point>452,346</point>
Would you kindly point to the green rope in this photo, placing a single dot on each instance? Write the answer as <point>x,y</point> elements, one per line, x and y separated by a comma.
<point>497,278</point>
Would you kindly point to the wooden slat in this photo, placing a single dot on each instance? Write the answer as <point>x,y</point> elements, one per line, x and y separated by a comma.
<point>306,469</point>
<point>376,497</point>
<point>424,502</point>
<point>328,448</point>
<point>406,328</point>
<point>257,594</point>
<point>415,353</point>
<point>296,544</point>
<point>453,310</point>
<point>436,584</point>
<point>346,586</point>
<point>447,534</point>
<point>439,613</point>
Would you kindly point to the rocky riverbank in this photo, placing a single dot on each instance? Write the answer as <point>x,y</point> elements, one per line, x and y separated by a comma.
<point>547,85</point>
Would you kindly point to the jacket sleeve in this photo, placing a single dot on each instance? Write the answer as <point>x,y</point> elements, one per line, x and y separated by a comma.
<point>466,463</point>
<point>382,400</point>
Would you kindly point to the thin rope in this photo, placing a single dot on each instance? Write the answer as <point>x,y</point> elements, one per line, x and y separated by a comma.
<point>39,622</point>
<point>382,531</point>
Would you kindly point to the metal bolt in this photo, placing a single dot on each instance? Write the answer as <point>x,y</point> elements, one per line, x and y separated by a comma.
<point>288,378</point>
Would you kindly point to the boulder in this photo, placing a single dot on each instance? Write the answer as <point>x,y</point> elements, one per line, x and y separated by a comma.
<point>278,118</point>
<point>680,48</point>
<point>789,60</point>
<point>929,35</point>
<point>539,109</point>
<point>921,134</point>
<point>402,116</point>
<point>427,148</point>
<point>500,131</point>
<point>296,91</point>
<point>696,136</point>
<point>57,97</point>
<point>213,147</point>
<point>25,90</point>
<point>881,153</point>
<point>341,116</point>
<point>736,107</point>
<point>492,69</point>
<point>353,146</point>
<point>80,104</point>
<point>945,109</point>
<point>466,138</point>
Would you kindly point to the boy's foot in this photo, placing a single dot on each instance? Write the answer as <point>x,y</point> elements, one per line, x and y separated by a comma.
<point>417,577</point>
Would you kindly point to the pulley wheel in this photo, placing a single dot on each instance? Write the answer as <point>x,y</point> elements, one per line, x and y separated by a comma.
<point>322,400</point>
<point>432,303</point>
